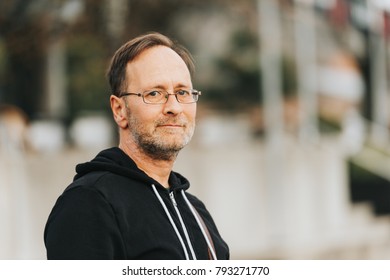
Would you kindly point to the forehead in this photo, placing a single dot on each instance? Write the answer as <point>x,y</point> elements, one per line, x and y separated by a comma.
<point>158,65</point>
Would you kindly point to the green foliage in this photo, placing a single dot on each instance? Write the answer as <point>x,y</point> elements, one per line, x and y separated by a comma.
<point>240,73</point>
<point>233,78</point>
<point>87,87</point>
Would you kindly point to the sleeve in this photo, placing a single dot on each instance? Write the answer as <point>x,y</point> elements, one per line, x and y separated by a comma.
<point>82,225</point>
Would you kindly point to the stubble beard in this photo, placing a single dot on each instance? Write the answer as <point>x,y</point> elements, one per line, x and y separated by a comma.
<point>155,145</point>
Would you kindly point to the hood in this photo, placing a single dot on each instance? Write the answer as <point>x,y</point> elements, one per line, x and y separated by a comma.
<point>116,161</point>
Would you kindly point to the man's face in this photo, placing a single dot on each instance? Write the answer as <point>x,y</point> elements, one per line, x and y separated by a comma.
<point>159,130</point>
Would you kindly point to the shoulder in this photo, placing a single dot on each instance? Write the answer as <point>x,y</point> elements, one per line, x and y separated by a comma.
<point>103,182</point>
<point>80,198</point>
<point>83,201</point>
<point>105,189</point>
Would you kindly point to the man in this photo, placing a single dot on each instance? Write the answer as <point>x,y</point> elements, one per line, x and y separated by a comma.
<point>127,203</point>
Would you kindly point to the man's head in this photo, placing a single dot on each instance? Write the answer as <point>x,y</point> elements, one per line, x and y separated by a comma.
<point>132,49</point>
<point>152,63</point>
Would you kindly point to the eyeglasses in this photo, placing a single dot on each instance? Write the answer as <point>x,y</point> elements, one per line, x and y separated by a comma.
<point>161,96</point>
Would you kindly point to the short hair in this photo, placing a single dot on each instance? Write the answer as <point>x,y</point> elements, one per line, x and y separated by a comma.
<point>116,73</point>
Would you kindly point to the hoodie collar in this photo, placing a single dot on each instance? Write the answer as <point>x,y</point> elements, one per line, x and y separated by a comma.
<point>116,161</point>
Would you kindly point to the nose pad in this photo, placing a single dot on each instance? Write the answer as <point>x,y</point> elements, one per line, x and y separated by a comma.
<point>171,94</point>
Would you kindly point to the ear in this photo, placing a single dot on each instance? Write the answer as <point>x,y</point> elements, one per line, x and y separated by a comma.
<point>119,111</point>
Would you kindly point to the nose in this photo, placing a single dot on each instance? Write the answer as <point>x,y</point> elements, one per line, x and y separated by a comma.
<point>172,106</point>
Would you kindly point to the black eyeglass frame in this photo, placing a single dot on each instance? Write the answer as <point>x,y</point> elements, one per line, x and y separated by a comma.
<point>195,94</point>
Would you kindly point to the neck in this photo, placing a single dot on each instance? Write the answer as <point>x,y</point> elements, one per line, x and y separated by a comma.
<point>159,170</point>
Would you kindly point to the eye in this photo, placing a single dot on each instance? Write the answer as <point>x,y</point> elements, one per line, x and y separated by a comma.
<point>153,93</point>
<point>183,92</point>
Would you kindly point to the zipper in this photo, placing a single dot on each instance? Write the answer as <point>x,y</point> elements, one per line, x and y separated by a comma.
<point>172,196</point>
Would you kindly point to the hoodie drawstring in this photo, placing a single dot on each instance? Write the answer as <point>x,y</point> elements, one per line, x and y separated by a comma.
<point>183,225</point>
<point>211,248</point>
<point>172,222</point>
<point>191,207</point>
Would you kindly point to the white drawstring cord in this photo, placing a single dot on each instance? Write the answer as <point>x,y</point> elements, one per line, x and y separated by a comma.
<point>191,207</point>
<point>171,220</point>
<point>183,226</point>
<point>199,224</point>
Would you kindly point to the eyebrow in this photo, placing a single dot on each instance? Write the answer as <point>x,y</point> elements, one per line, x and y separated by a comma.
<point>164,88</point>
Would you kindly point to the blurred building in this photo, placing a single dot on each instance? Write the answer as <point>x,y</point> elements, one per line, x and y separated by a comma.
<point>292,145</point>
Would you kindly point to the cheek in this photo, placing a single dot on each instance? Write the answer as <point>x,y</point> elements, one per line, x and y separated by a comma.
<point>191,113</point>
<point>146,121</point>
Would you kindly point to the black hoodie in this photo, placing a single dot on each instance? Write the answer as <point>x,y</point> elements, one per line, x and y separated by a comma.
<point>113,210</point>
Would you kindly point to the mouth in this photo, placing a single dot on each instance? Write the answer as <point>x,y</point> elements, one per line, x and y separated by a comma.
<point>171,125</point>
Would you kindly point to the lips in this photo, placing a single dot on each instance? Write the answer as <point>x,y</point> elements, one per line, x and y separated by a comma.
<point>171,126</point>
<point>171,123</point>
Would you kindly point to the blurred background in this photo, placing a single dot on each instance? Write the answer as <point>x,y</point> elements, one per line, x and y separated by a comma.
<point>292,149</point>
